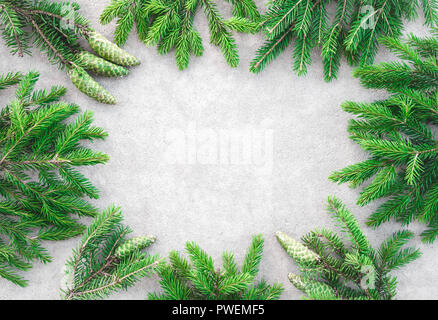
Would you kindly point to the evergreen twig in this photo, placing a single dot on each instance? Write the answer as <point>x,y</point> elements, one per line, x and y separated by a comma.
<point>40,187</point>
<point>198,279</point>
<point>332,270</point>
<point>106,261</point>
<point>55,28</point>
<point>169,24</point>
<point>354,30</point>
<point>399,134</point>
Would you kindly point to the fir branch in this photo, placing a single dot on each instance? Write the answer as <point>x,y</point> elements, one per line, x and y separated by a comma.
<point>15,31</point>
<point>331,269</point>
<point>264,57</point>
<point>9,79</point>
<point>198,279</point>
<point>106,261</point>
<point>30,126</point>
<point>48,43</point>
<point>169,24</point>
<point>114,283</point>
<point>84,27</point>
<point>399,134</point>
<point>353,33</point>
<point>57,32</point>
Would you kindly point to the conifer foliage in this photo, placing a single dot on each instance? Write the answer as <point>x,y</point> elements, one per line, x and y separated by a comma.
<point>197,278</point>
<point>106,261</point>
<point>400,135</point>
<point>168,24</point>
<point>56,28</point>
<point>333,270</point>
<point>353,30</point>
<point>40,186</point>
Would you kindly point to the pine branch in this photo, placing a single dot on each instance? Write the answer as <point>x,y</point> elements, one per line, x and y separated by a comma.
<point>9,79</point>
<point>56,30</point>
<point>245,9</point>
<point>14,31</point>
<point>31,129</point>
<point>271,50</point>
<point>198,279</point>
<point>48,43</point>
<point>169,24</point>
<point>332,270</point>
<point>355,31</point>
<point>399,134</point>
<point>106,261</point>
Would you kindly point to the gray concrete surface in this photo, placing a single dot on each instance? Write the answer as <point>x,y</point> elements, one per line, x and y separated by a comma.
<point>220,204</point>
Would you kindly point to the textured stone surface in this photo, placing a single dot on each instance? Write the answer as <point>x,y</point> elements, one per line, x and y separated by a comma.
<point>218,204</point>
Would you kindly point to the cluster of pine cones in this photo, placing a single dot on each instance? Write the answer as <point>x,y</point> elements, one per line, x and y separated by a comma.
<point>110,61</point>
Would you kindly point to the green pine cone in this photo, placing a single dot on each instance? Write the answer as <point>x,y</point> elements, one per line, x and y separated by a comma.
<point>297,281</point>
<point>313,289</point>
<point>86,84</point>
<point>132,245</point>
<point>298,252</point>
<point>110,51</point>
<point>100,66</point>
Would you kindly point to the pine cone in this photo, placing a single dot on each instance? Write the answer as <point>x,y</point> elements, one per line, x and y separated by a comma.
<point>86,84</point>
<point>313,289</point>
<point>110,51</point>
<point>132,245</point>
<point>297,281</point>
<point>100,66</point>
<point>298,252</point>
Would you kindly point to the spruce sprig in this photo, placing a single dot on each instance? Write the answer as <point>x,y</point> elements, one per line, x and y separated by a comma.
<point>106,261</point>
<point>353,30</point>
<point>40,186</point>
<point>331,269</point>
<point>56,28</point>
<point>197,278</point>
<point>169,24</point>
<point>399,134</point>
<point>9,79</point>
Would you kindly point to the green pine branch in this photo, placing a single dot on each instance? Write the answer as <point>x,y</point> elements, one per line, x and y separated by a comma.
<point>106,261</point>
<point>333,270</point>
<point>399,134</point>
<point>169,25</point>
<point>40,185</point>
<point>56,28</point>
<point>353,30</point>
<point>197,277</point>
<point>9,79</point>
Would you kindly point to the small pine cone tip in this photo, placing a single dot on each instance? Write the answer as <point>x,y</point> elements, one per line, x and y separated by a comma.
<point>298,252</point>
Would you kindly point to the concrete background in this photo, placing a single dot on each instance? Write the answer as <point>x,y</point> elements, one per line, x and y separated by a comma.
<point>220,205</point>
